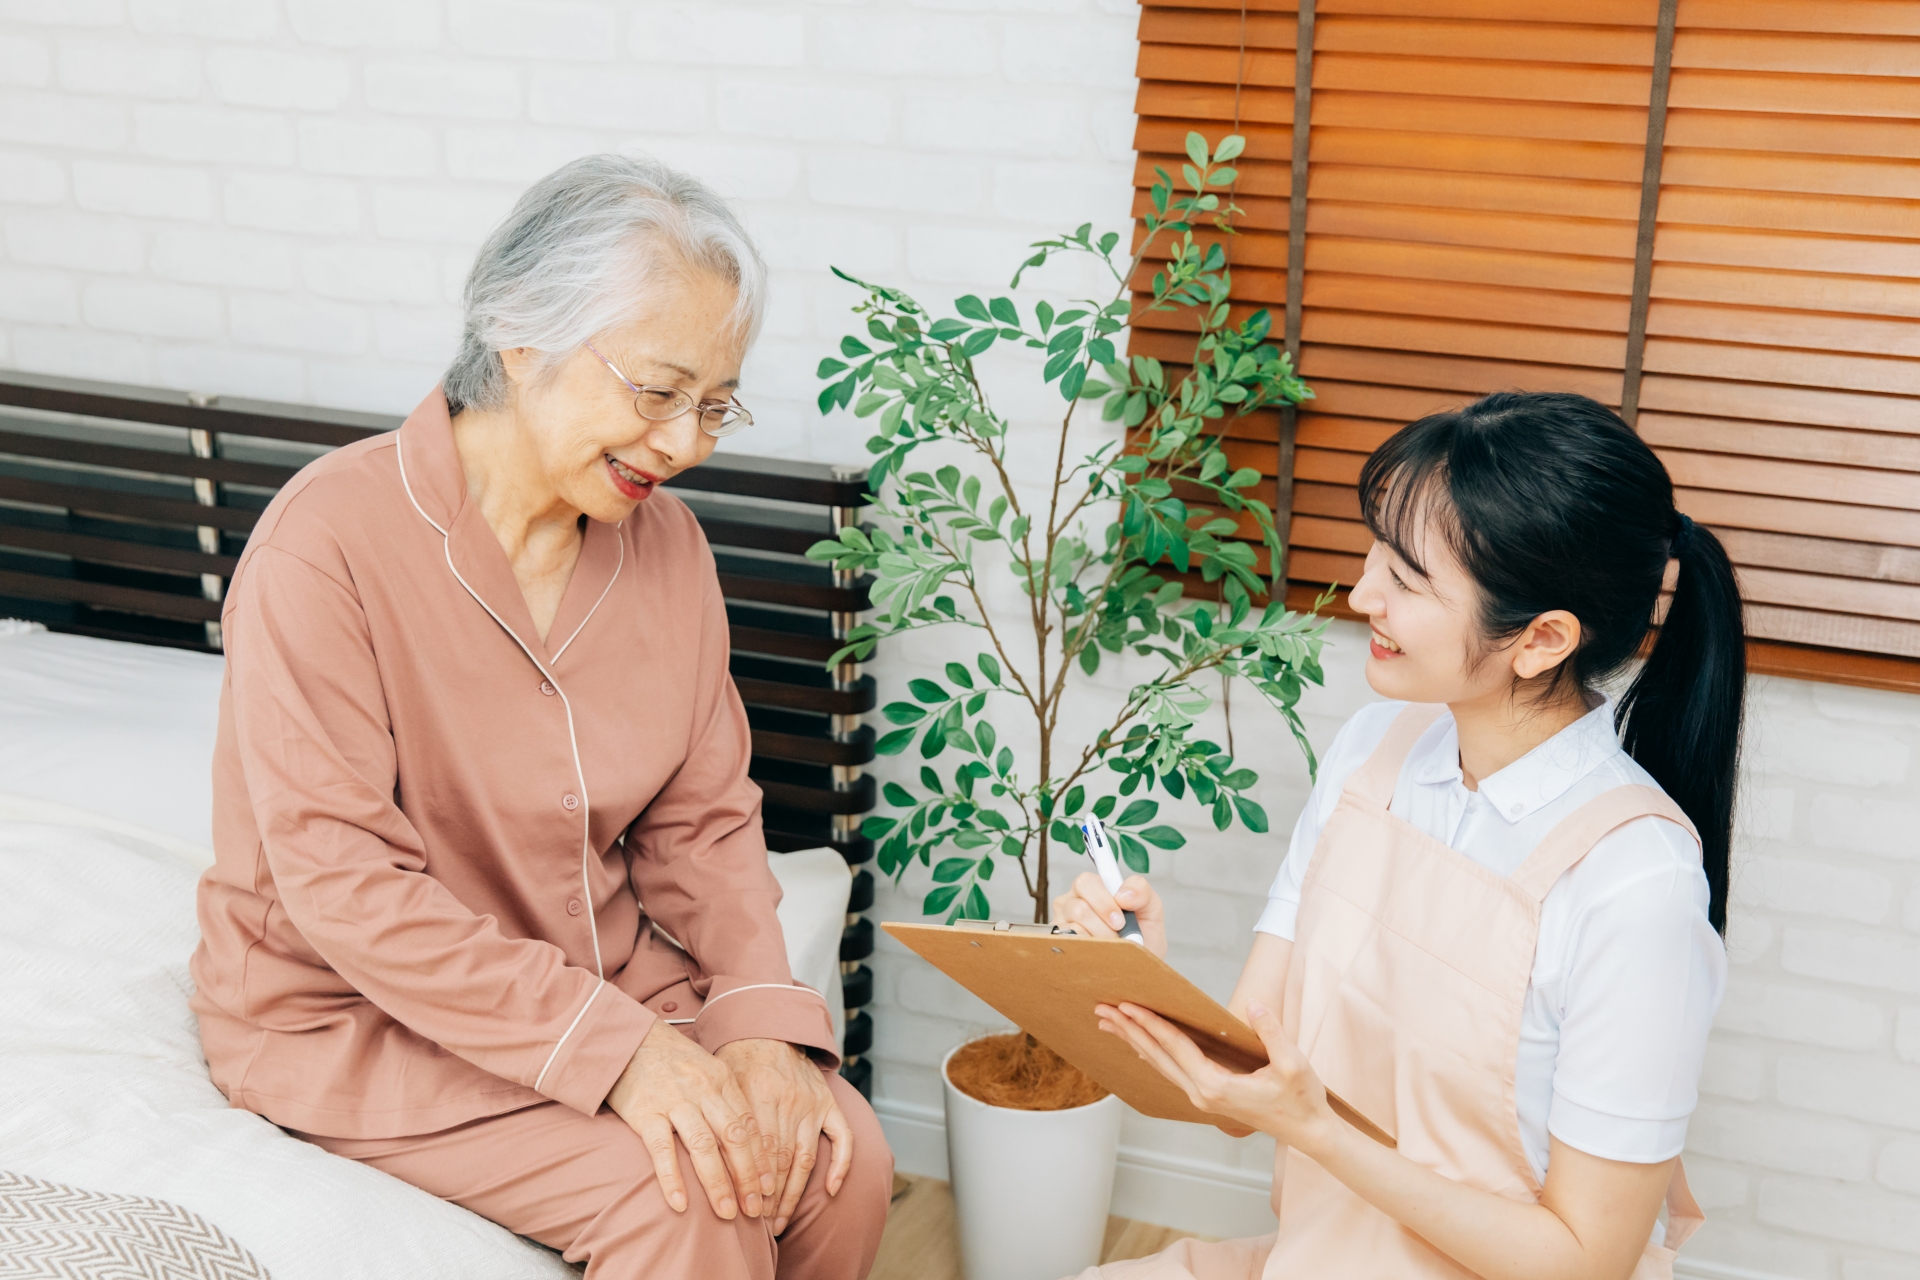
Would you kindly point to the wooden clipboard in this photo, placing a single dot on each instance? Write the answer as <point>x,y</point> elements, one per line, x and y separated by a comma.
<point>1047,983</point>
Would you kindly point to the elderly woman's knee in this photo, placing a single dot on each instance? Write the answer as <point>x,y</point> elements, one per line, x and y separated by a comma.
<point>872,1167</point>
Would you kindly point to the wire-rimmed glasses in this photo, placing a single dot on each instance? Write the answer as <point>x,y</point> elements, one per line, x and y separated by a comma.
<point>664,404</point>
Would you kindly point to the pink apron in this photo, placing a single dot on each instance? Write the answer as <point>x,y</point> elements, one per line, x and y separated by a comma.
<point>1410,970</point>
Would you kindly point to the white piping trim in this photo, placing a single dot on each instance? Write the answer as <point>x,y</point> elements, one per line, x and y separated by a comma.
<point>573,739</point>
<point>757,986</point>
<point>621,542</point>
<point>563,1039</point>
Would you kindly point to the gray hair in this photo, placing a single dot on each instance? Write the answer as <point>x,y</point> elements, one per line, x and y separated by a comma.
<point>575,256</point>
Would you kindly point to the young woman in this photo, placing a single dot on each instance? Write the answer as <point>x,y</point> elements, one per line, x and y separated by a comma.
<point>1495,932</point>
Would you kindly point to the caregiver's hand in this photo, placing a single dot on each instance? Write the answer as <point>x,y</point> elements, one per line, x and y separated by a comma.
<point>1284,1098</point>
<point>790,1097</point>
<point>671,1086</point>
<point>1095,913</point>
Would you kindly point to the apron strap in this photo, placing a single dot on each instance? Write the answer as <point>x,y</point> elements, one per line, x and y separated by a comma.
<point>1376,780</point>
<point>1683,1211</point>
<point>1580,830</point>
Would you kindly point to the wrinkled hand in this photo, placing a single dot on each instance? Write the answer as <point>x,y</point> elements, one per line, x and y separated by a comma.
<point>1091,911</point>
<point>671,1086</point>
<point>1284,1098</point>
<point>793,1107</point>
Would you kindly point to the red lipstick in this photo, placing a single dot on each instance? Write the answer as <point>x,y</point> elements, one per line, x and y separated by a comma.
<point>634,492</point>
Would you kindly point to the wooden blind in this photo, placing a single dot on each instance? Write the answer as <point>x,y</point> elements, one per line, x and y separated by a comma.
<point>1783,353</point>
<point>1475,177</point>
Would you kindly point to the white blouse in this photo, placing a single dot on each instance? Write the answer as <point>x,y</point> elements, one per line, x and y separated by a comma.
<point>1627,973</point>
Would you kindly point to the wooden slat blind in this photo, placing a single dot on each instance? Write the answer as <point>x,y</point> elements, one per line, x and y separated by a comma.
<point>1783,349</point>
<point>1474,193</point>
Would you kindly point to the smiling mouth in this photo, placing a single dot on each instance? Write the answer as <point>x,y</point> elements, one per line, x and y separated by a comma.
<point>1384,645</point>
<point>633,484</point>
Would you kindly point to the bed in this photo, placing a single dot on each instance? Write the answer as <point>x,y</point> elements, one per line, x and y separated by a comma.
<point>118,1157</point>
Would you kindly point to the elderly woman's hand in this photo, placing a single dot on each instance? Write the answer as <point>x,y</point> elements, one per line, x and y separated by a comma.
<point>789,1095</point>
<point>672,1086</point>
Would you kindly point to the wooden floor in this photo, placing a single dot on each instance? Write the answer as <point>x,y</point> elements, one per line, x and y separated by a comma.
<point>922,1241</point>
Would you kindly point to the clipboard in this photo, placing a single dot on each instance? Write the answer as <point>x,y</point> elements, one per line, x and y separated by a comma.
<point>1047,980</point>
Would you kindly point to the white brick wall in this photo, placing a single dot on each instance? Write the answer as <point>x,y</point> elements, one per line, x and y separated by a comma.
<point>279,198</point>
<point>308,178</point>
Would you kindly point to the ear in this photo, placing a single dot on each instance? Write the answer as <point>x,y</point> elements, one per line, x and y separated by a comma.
<point>518,363</point>
<point>1548,641</point>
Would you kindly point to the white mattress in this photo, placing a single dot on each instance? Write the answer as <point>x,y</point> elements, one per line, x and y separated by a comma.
<point>105,753</point>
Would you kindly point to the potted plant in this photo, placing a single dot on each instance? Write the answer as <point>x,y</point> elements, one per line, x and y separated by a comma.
<point>1090,546</point>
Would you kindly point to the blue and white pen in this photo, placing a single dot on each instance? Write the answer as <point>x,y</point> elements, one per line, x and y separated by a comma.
<point>1101,851</point>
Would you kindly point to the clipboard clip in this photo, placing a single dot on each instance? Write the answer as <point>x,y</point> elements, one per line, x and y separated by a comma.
<point>1012,926</point>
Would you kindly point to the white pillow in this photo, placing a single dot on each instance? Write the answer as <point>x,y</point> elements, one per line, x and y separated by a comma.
<point>113,728</point>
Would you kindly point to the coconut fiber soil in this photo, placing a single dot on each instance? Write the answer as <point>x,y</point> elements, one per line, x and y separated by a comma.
<point>1017,1071</point>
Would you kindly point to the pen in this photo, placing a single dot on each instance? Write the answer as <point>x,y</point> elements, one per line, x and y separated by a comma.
<point>1103,861</point>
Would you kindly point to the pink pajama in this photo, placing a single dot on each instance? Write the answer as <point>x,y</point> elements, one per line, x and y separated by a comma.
<point>585,1186</point>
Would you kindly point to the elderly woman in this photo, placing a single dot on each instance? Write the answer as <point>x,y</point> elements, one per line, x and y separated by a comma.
<point>492,909</point>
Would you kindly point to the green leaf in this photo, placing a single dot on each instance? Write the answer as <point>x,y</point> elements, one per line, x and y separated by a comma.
<point>960,675</point>
<point>1075,798</point>
<point>1230,148</point>
<point>1222,813</point>
<point>875,827</point>
<point>979,340</point>
<point>1070,382</point>
<point>946,330</point>
<point>984,734</point>
<point>935,742</point>
<point>940,899</point>
<point>892,744</point>
<point>1196,149</point>
<point>1138,812</point>
<point>897,795</point>
<point>929,779</point>
<point>1103,807</point>
<point>986,868</point>
<point>1003,763</point>
<point>1132,852</point>
<point>829,367</point>
<point>989,667</point>
<point>977,905</point>
<point>1003,310</point>
<point>1252,814</point>
<point>971,307</point>
<point>926,690</point>
<point>853,347</point>
<point>951,869</point>
<point>1043,312</point>
<point>1162,837</point>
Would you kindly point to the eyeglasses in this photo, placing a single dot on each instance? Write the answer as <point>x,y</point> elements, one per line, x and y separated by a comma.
<point>664,404</point>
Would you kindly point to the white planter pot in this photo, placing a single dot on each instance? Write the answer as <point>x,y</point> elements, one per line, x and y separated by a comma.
<point>1031,1188</point>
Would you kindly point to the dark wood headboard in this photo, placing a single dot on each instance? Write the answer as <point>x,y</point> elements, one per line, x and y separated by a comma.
<point>123,512</point>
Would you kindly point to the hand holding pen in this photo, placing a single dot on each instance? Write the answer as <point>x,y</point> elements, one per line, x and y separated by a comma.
<point>1105,905</point>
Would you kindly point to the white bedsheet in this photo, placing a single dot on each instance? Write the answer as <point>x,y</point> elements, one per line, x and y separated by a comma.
<point>105,1086</point>
<point>105,751</point>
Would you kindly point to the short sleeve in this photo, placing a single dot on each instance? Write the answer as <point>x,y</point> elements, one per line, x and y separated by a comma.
<point>1644,975</point>
<point>1351,746</point>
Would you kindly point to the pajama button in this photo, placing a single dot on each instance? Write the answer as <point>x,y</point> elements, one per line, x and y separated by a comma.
<point>573,907</point>
<point>569,801</point>
<point>669,1006</point>
<point>546,687</point>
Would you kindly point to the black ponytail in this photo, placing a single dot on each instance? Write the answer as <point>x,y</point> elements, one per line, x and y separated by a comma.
<point>1549,501</point>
